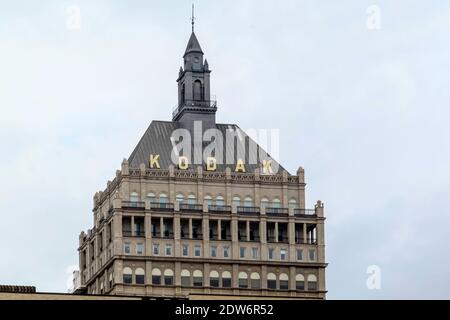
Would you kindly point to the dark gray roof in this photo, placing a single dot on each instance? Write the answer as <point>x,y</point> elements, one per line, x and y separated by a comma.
<point>193,45</point>
<point>157,140</point>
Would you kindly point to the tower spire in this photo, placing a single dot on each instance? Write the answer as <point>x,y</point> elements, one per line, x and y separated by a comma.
<point>193,18</point>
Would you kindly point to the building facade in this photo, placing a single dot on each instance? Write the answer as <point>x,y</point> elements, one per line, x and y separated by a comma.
<point>180,224</point>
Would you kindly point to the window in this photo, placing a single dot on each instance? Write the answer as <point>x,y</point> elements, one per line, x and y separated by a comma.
<point>299,254</point>
<point>140,248</point>
<point>237,201</point>
<point>293,204</point>
<point>312,255</point>
<point>197,250</point>
<point>226,252</point>
<point>248,202</point>
<point>214,279</point>
<point>276,203</point>
<point>168,249</point>
<point>271,281</point>
<point>185,250</point>
<point>213,251</point>
<point>156,249</point>
<point>255,281</point>
<point>151,198</point>
<point>271,253</point>
<point>264,203</point>
<point>255,253</point>
<point>134,197</point>
<point>140,276</point>
<point>226,279</point>
<point>192,200</point>
<point>198,278</point>
<point>127,275</point>
<point>312,282</point>
<point>220,201</point>
<point>127,248</point>
<point>284,281</point>
<point>168,277</point>
<point>163,200</point>
<point>243,280</point>
<point>283,254</point>
<point>208,201</point>
<point>179,198</point>
<point>110,281</point>
<point>242,252</point>
<point>156,276</point>
<point>185,278</point>
<point>300,282</point>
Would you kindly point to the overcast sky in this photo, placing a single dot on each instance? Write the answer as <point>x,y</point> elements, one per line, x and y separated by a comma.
<point>361,104</point>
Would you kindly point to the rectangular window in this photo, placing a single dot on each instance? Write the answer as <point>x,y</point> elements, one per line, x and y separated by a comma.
<point>185,281</point>
<point>168,249</point>
<point>168,280</point>
<point>283,254</point>
<point>185,250</point>
<point>198,281</point>
<point>127,279</point>
<point>226,282</point>
<point>156,249</point>
<point>213,251</point>
<point>226,252</point>
<point>156,280</point>
<point>312,255</point>
<point>140,248</point>
<point>284,284</point>
<point>255,253</point>
<point>299,254</point>
<point>271,253</point>
<point>197,250</point>
<point>243,283</point>
<point>140,279</point>
<point>271,284</point>
<point>214,282</point>
<point>242,252</point>
<point>127,248</point>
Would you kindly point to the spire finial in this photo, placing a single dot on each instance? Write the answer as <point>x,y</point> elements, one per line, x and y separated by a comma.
<point>193,18</point>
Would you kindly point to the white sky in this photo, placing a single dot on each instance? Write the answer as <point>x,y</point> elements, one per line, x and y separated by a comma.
<point>364,111</point>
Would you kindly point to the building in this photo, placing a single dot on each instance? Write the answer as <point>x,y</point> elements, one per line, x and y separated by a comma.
<point>179,224</point>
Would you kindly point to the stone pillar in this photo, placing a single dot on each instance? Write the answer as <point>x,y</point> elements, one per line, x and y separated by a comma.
<point>301,187</point>
<point>284,192</point>
<point>228,187</point>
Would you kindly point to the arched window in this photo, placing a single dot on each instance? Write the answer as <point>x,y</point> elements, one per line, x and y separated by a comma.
<point>237,201</point>
<point>300,282</point>
<point>248,202</point>
<point>140,276</point>
<point>127,275</point>
<point>198,90</point>
<point>198,278</point>
<point>151,198</point>
<point>284,281</point>
<point>243,280</point>
<point>214,279</point>
<point>156,276</point>
<point>168,277</point>
<point>208,200</point>
<point>134,197</point>
<point>312,282</point>
<point>192,199</point>
<point>180,198</point>
<point>185,278</point>
<point>226,279</point>
<point>163,200</point>
<point>255,281</point>
<point>220,201</point>
<point>276,203</point>
<point>293,204</point>
<point>264,203</point>
<point>271,281</point>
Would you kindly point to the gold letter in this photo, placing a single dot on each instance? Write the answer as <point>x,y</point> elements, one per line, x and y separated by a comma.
<point>211,164</point>
<point>240,167</point>
<point>183,163</point>
<point>154,161</point>
<point>267,166</point>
